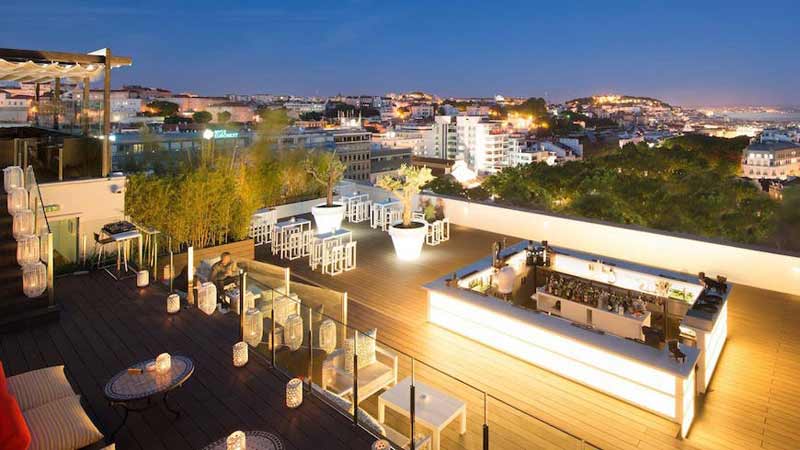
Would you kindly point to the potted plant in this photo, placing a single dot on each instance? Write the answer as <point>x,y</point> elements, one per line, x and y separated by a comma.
<point>327,170</point>
<point>408,236</point>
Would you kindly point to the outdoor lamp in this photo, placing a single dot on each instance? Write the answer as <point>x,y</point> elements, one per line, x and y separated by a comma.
<point>294,332</point>
<point>34,279</point>
<point>327,335</point>
<point>142,278</point>
<point>17,199</point>
<point>236,441</point>
<point>253,327</point>
<point>239,354</point>
<point>27,249</point>
<point>173,303</point>
<point>381,444</point>
<point>294,393</point>
<point>12,178</point>
<point>163,363</point>
<point>207,298</point>
<point>23,223</point>
<point>208,134</point>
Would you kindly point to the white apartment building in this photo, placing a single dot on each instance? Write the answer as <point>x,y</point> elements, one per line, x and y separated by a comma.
<point>13,108</point>
<point>482,144</point>
<point>767,157</point>
<point>549,152</point>
<point>402,138</point>
<point>444,138</point>
<point>422,111</point>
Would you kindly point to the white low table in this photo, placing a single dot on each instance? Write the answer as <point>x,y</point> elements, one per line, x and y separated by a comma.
<point>435,412</point>
<point>322,243</point>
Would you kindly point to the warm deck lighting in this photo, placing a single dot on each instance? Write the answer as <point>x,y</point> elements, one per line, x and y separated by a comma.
<point>12,178</point>
<point>381,444</point>
<point>236,441</point>
<point>142,278</point>
<point>253,327</point>
<point>294,393</point>
<point>408,242</point>
<point>17,200</point>
<point>23,223</point>
<point>239,354</point>
<point>173,303</point>
<point>163,363</point>
<point>207,298</point>
<point>293,332</point>
<point>27,249</point>
<point>34,279</point>
<point>327,335</point>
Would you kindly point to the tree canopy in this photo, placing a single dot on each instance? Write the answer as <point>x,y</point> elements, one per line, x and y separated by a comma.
<point>202,117</point>
<point>162,108</point>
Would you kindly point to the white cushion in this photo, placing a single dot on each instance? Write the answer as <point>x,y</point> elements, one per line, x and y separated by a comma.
<point>366,347</point>
<point>61,425</point>
<point>38,387</point>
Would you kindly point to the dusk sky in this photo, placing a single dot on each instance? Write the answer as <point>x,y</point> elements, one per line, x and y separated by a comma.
<point>692,53</point>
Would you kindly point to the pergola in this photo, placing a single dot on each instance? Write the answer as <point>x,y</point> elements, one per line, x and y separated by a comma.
<point>38,66</point>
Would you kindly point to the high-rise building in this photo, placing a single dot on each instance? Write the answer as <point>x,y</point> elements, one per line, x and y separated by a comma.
<point>482,144</point>
<point>444,137</point>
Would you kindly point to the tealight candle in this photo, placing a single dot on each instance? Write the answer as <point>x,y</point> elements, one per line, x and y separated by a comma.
<point>163,363</point>
<point>236,441</point>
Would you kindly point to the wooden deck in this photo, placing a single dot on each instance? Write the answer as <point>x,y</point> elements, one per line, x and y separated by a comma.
<point>751,403</point>
<point>108,325</point>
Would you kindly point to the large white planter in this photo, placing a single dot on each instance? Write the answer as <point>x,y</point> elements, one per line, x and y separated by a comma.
<point>408,241</point>
<point>328,218</point>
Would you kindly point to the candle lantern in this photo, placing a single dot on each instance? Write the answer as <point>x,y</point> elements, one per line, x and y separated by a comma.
<point>173,303</point>
<point>34,279</point>
<point>381,444</point>
<point>239,354</point>
<point>28,249</point>
<point>294,393</point>
<point>163,363</point>
<point>236,441</point>
<point>207,298</point>
<point>293,332</point>
<point>12,178</point>
<point>23,223</point>
<point>253,327</point>
<point>17,200</point>
<point>327,335</point>
<point>142,278</point>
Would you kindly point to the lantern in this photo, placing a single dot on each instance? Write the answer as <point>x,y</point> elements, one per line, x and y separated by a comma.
<point>17,200</point>
<point>381,444</point>
<point>239,354</point>
<point>249,300</point>
<point>173,303</point>
<point>163,363</point>
<point>327,335</point>
<point>294,393</point>
<point>207,298</point>
<point>23,223</point>
<point>142,278</point>
<point>34,279</point>
<point>236,441</point>
<point>349,354</point>
<point>293,332</point>
<point>283,305</point>
<point>12,178</point>
<point>253,327</point>
<point>28,249</point>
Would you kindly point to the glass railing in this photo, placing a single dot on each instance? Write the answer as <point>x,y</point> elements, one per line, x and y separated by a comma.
<point>41,228</point>
<point>55,157</point>
<point>304,332</point>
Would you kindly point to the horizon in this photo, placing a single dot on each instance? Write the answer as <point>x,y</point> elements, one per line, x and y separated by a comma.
<point>722,55</point>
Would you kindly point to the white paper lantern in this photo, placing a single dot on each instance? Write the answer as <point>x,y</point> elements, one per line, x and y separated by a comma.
<point>236,441</point>
<point>239,354</point>
<point>17,199</point>
<point>27,249</point>
<point>34,279</point>
<point>163,363</point>
<point>12,177</point>
<point>294,393</point>
<point>293,332</point>
<point>173,303</point>
<point>142,278</point>
<point>253,327</point>
<point>327,335</point>
<point>23,223</point>
<point>207,298</point>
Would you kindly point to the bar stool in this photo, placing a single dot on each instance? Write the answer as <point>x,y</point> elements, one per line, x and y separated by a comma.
<point>99,247</point>
<point>350,256</point>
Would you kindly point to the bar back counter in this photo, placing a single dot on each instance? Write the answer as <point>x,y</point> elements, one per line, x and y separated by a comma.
<point>585,318</point>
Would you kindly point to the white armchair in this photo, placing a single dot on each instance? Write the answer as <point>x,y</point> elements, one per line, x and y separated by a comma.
<point>372,378</point>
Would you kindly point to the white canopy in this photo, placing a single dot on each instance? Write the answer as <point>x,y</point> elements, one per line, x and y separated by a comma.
<point>29,71</point>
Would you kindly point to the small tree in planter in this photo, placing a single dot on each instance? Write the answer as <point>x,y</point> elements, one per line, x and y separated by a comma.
<point>327,170</point>
<point>408,236</point>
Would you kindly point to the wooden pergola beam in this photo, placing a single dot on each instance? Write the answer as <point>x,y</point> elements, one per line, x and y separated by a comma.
<point>46,56</point>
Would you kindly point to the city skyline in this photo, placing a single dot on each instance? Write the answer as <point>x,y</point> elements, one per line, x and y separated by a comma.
<point>720,54</point>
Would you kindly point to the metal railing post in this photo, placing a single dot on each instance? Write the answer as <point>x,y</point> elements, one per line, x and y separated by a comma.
<point>412,402</point>
<point>61,162</point>
<point>310,349</point>
<point>50,269</point>
<point>355,378</point>
<point>272,328</point>
<point>171,268</point>
<point>485,422</point>
<point>242,290</point>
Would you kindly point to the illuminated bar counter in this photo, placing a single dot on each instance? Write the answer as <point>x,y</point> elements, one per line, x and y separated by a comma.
<point>502,301</point>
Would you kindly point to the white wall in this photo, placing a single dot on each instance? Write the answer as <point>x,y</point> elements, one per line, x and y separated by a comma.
<point>761,269</point>
<point>296,209</point>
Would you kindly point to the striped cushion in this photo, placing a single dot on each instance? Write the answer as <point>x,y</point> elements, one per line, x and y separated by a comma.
<point>38,387</point>
<point>61,425</point>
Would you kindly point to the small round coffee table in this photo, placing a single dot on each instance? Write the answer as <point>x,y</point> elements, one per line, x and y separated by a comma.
<point>255,440</point>
<point>129,390</point>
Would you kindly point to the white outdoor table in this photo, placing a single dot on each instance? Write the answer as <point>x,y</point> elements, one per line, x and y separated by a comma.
<point>436,411</point>
<point>380,213</point>
<point>123,249</point>
<point>352,202</point>
<point>282,231</point>
<point>323,242</point>
<point>261,225</point>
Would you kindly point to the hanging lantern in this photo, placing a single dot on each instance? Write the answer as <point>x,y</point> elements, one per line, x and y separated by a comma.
<point>381,444</point>
<point>17,200</point>
<point>293,332</point>
<point>142,278</point>
<point>23,223</point>
<point>239,354</point>
<point>28,249</point>
<point>253,327</point>
<point>294,393</point>
<point>163,363</point>
<point>12,178</point>
<point>236,441</point>
<point>207,298</point>
<point>173,303</point>
<point>29,178</point>
<point>34,279</point>
<point>327,335</point>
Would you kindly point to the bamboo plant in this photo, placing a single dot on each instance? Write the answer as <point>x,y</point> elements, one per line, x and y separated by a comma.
<point>405,185</point>
<point>327,170</point>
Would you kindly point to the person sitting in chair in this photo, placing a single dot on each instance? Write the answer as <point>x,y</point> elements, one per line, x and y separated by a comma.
<point>223,273</point>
